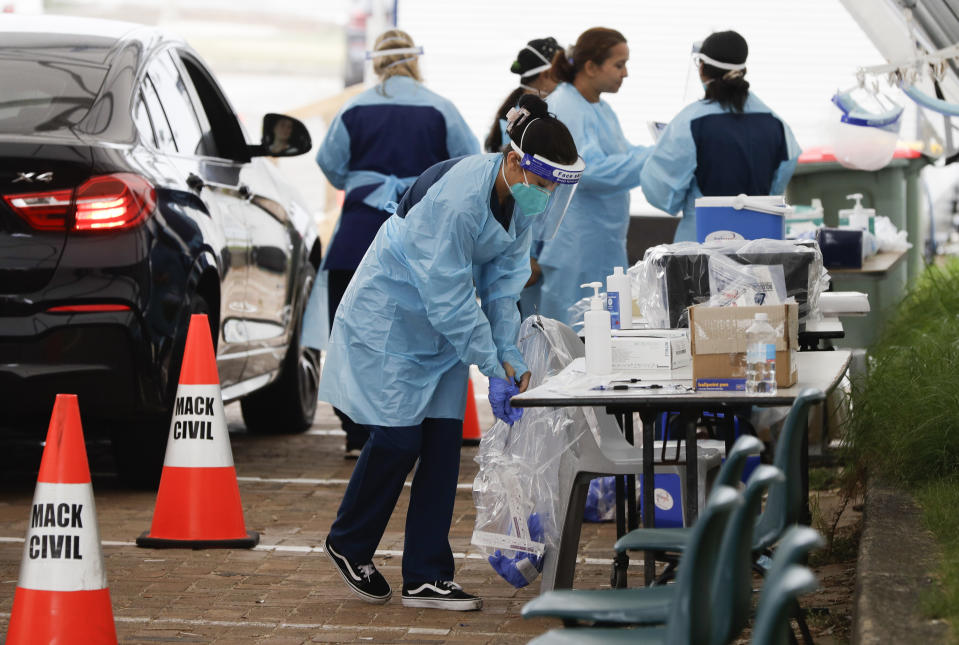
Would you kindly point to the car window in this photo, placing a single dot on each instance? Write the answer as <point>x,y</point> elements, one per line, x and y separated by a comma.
<point>161,125</point>
<point>47,93</point>
<point>141,117</point>
<point>226,129</point>
<point>176,104</point>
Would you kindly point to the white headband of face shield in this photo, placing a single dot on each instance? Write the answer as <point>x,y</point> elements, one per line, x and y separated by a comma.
<point>701,57</point>
<point>417,51</point>
<point>536,70</point>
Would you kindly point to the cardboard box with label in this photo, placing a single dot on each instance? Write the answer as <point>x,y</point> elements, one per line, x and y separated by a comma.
<point>717,337</point>
<point>650,350</point>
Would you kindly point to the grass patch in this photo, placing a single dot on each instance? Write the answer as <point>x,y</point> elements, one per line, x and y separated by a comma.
<point>905,423</point>
<point>824,478</point>
<point>939,502</point>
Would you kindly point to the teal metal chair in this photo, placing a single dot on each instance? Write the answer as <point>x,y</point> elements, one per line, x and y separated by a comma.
<point>689,609</point>
<point>779,595</point>
<point>730,580</point>
<point>783,507</point>
<point>793,548</point>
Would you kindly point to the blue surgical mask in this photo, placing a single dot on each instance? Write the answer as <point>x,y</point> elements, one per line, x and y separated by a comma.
<point>532,200</point>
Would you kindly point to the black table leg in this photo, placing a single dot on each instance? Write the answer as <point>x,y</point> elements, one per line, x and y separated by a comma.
<point>625,511</point>
<point>632,521</point>
<point>692,466</point>
<point>806,517</point>
<point>649,512</point>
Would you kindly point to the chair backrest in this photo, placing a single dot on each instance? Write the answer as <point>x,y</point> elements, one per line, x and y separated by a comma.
<point>732,583</point>
<point>732,469</point>
<point>785,500</point>
<point>688,621</point>
<point>795,545</point>
<point>778,597</point>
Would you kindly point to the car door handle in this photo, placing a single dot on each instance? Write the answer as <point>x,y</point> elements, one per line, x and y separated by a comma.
<point>194,182</point>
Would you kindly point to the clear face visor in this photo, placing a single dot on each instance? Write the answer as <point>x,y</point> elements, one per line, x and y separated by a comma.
<point>565,177</point>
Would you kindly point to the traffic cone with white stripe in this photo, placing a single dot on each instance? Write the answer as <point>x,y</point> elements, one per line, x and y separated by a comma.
<point>62,594</point>
<point>198,503</point>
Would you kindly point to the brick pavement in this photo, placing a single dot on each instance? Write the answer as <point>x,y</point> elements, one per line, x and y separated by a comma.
<point>281,592</point>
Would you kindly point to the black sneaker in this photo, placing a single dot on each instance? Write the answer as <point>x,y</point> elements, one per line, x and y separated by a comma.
<point>362,579</point>
<point>442,594</point>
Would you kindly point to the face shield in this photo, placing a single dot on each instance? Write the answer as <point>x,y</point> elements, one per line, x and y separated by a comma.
<point>564,176</point>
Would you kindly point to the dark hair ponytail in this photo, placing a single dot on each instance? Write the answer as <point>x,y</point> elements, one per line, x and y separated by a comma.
<point>729,90</point>
<point>726,86</point>
<point>494,140</point>
<point>542,133</point>
<point>592,45</point>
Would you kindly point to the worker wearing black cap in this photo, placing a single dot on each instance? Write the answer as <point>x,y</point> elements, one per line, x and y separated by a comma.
<point>727,143</point>
<point>532,64</point>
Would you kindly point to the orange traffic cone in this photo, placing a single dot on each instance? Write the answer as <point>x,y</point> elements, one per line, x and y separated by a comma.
<point>62,594</point>
<point>471,429</point>
<point>198,504</point>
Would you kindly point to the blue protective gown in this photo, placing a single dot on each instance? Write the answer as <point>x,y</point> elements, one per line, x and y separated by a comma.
<point>707,150</point>
<point>592,237</point>
<point>409,324</point>
<point>376,146</point>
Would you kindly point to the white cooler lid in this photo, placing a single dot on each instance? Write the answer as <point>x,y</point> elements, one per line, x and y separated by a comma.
<point>772,204</point>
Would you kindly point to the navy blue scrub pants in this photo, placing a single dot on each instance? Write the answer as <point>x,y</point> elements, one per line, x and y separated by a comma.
<point>377,482</point>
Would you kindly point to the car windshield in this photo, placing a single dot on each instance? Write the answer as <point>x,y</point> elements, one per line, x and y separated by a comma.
<point>41,95</point>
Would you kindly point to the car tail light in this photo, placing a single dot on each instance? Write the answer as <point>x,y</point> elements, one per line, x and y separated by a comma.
<point>43,211</point>
<point>78,309</point>
<point>105,202</point>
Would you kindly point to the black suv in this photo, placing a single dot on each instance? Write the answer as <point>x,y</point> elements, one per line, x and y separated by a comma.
<point>130,199</point>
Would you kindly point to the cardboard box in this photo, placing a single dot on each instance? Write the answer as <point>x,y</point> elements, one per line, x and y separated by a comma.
<point>718,344</point>
<point>650,350</point>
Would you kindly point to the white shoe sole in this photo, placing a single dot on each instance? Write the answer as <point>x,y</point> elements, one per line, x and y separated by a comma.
<point>439,603</point>
<point>359,593</point>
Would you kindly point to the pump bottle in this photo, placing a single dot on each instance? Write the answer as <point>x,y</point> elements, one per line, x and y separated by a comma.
<point>599,345</point>
<point>859,217</point>
<point>619,299</point>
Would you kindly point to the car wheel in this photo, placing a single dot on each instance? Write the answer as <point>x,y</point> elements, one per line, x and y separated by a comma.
<point>139,445</point>
<point>287,405</point>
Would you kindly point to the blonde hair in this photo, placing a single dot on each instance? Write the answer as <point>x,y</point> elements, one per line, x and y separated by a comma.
<point>397,64</point>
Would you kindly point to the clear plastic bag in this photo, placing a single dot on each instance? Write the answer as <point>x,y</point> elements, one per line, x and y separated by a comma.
<point>673,277</point>
<point>517,489</point>
<point>742,285</point>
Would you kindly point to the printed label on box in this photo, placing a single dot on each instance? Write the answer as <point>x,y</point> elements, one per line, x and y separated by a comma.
<point>721,384</point>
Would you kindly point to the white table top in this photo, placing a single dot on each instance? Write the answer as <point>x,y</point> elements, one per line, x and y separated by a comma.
<point>820,370</point>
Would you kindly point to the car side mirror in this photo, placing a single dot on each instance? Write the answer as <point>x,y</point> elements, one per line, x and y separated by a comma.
<point>283,136</point>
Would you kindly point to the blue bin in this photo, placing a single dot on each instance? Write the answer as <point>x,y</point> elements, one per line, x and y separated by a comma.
<point>752,218</point>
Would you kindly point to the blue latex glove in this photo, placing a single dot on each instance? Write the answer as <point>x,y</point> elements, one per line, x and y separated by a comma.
<point>522,568</point>
<point>500,392</point>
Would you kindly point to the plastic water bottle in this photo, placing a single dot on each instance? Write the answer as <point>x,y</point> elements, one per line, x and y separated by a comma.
<point>761,356</point>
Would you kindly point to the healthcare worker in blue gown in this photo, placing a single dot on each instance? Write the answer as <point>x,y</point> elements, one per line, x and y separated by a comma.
<point>592,238</point>
<point>375,147</point>
<point>727,143</point>
<point>407,330</point>
<point>533,64</point>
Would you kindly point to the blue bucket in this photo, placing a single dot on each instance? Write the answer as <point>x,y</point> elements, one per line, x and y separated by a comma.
<point>741,216</point>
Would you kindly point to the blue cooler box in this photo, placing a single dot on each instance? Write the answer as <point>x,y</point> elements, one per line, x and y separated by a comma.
<point>752,217</point>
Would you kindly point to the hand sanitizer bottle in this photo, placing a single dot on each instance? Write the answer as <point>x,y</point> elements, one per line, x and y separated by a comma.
<point>619,299</point>
<point>599,345</point>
